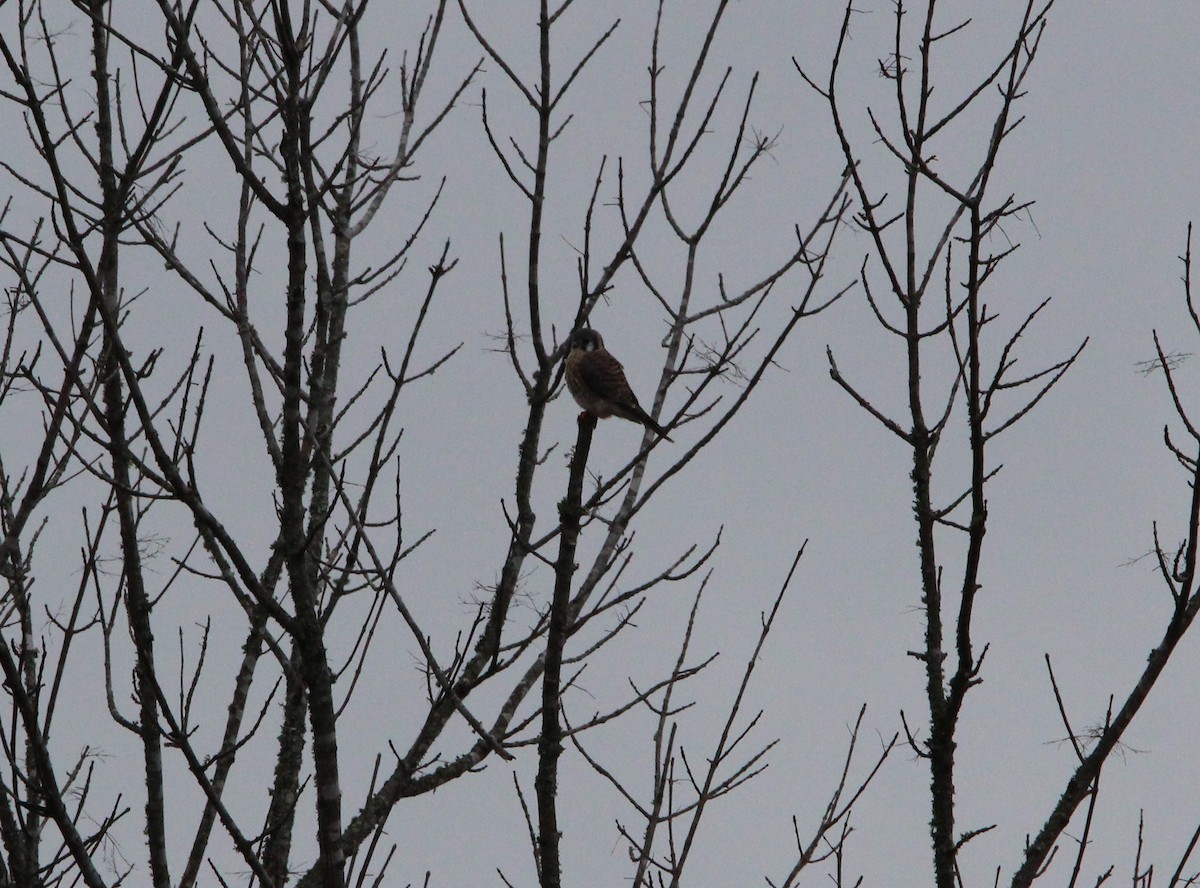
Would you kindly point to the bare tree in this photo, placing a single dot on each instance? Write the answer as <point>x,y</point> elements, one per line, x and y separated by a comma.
<point>933,252</point>
<point>268,115</point>
<point>222,306</point>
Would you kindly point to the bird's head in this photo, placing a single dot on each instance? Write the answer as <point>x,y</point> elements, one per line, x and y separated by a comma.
<point>586,339</point>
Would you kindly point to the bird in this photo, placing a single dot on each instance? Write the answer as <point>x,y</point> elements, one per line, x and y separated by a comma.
<point>597,382</point>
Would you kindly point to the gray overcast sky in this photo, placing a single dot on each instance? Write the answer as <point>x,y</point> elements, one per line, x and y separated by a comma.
<point>1107,150</point>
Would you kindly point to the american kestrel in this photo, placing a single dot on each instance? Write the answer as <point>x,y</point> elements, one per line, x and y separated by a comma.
<point>597,381</point>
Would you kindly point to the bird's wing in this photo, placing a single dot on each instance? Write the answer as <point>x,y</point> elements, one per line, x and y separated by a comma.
<point>605,376</point>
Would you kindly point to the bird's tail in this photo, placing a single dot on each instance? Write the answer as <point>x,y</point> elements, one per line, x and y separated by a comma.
<point>649,423</point>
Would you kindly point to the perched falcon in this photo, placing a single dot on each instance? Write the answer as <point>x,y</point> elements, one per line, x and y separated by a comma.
<point>597,380</point>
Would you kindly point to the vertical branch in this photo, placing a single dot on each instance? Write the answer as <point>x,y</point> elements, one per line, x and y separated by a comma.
<point>545,105</point>
<point>941,745</point>
<point>310,650</point>
<point>137,602</point>
<point>965,673</point>
<point>522,531</point>
<point>909,269</point>
<point>550,742</point>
